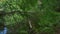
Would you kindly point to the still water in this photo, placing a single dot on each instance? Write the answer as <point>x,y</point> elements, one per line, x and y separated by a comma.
<point>4,31</point>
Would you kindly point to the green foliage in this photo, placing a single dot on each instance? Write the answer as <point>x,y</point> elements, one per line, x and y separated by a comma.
<point>49,18</point>
<point>43,18</point>
<point>12,17</point>
<point>23,5</point>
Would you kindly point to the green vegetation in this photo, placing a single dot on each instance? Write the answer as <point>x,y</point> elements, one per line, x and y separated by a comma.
<point>30,16</point>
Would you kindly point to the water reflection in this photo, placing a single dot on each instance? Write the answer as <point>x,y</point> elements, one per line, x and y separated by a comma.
<point>4,31</point>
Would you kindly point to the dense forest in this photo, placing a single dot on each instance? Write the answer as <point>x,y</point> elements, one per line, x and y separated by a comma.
<point>30,16</point>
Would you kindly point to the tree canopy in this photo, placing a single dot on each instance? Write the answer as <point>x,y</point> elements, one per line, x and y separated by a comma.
<point>30,16</point>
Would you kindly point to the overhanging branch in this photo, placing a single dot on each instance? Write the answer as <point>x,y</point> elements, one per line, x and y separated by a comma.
<point>2,13</point>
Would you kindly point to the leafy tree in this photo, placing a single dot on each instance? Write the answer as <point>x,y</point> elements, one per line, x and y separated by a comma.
<point>30,16</point>
<point>15,12</point>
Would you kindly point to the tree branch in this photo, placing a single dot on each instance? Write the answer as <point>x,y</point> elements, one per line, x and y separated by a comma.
<point>2,13</point>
